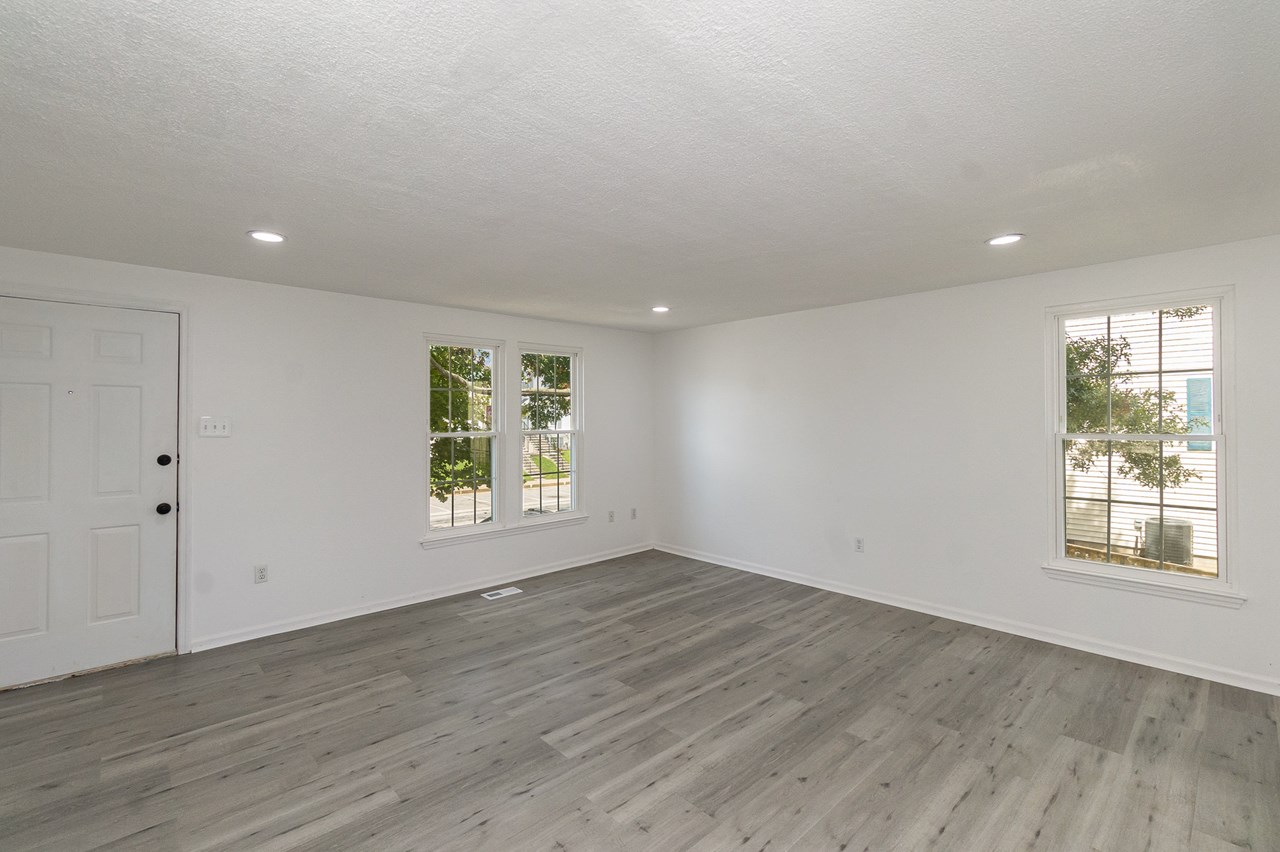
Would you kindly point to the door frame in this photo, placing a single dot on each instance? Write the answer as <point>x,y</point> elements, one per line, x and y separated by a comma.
<point>97,299</point>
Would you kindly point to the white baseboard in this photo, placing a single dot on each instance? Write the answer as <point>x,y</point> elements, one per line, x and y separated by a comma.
<point>217,640</point>
<point>1180,665</point>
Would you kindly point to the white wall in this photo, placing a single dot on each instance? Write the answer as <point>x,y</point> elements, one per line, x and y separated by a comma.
<point>322,478</point>
<point>785,437</point>
<point>777,440</point>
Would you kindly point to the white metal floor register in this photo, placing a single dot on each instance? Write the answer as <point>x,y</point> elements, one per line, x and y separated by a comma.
<point>500,593</point>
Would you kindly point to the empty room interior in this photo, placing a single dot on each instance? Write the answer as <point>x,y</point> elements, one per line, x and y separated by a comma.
<point>664,426</point>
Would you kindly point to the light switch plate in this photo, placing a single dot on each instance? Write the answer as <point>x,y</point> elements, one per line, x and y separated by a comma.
<point>215,427</point>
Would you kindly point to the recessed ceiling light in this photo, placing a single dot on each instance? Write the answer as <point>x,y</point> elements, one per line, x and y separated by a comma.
<point>660,309</point>
<point>267,236</point>
<point>1004,239</point>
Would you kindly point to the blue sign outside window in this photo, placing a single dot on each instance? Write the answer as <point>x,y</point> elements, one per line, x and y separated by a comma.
<point>1200,411</point>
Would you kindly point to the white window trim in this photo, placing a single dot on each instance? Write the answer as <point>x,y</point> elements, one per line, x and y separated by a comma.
<point>575,406</point>
<point>508,515</point>
<point>441,538</point>
<point>497,393</point>
<point>1223,590</point>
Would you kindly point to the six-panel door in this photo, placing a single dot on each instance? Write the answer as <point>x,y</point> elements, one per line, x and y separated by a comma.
<point>88,405</point>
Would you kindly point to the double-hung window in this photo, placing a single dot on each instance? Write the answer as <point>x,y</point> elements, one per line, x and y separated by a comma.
<point>504,438</point>
<point>548,435</point>
<point>463,387</point>
<point>1138,445</point>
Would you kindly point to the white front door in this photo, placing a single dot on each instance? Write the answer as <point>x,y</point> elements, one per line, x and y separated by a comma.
<point>88,486</point>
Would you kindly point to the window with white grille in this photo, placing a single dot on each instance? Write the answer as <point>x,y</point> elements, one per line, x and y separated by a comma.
<point>1138,440</point>
<point>549,432</point>
<point>504,438</point>
<point>462,434</point>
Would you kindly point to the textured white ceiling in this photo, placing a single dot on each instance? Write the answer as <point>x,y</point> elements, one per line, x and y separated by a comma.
<point>584,160</point>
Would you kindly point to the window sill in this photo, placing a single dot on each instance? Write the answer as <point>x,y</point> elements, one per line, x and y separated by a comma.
<point>441,539</point>
<point>1187,590</point>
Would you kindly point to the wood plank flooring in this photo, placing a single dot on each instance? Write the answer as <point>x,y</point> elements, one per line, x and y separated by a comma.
<point>649,702</point>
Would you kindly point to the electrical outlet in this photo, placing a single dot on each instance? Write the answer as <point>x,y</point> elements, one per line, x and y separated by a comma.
<point>612,516</point>
<point>859,545</point>
<point>633,514</point>
<point>259,573</point>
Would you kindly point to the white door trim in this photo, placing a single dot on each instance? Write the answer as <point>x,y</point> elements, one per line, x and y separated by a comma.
<point>110,300</point>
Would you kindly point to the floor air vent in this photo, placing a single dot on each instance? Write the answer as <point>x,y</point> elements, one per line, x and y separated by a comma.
<point>500,593</point>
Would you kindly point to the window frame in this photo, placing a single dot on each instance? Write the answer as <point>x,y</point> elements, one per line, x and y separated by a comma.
<point>576,442</point>
<point>506,434</point>
<point>1222,590</point>
<point>494,433</point>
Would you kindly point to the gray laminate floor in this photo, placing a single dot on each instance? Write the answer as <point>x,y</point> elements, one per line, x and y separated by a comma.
<point>648,702</point>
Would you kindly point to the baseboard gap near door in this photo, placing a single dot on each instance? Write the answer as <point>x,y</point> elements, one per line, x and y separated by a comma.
<point>95,670</point>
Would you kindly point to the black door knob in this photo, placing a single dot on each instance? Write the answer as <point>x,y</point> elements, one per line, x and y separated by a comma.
<point>163,509</point>
<point>163,459</point>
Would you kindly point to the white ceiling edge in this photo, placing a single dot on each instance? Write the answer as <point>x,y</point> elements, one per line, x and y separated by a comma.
<point>660,324</point>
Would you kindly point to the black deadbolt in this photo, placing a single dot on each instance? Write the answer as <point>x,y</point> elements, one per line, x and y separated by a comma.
<point>163,509</point>
<point>163,459</point>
